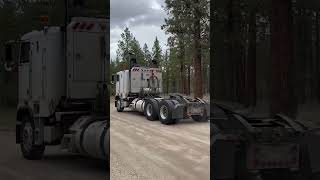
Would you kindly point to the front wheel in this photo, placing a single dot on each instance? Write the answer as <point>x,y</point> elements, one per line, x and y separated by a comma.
<point>29,149</point>
<point>120,106</point>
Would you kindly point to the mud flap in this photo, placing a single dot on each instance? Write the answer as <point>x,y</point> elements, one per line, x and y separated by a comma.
<point>178,112</point>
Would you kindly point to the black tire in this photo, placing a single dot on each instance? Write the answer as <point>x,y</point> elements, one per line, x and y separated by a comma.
<point>199,118</point>
<point>165,112</point>
<point>29,150</point>
<point>151,109</point>
<point>120,106</point>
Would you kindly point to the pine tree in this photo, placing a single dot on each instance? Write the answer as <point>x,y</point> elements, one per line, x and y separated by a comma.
<point>156,51</point>
<point>147,54</point>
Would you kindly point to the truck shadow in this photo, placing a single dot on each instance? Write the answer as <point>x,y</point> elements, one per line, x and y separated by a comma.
<point>190,121</point>
<point>77,162</point>
<point>181,121</point>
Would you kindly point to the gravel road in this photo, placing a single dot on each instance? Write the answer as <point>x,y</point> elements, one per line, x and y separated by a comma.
<point>144,150</point>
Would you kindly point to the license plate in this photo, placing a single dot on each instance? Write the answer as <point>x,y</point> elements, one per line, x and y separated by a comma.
<point>271,156</point>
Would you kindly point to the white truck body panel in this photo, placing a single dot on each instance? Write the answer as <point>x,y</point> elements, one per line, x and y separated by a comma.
<point>86,50</point>
<point>122,84</point>
<point>23,82</point>
<point>44,79</point>
<point>140,77</point>
<point>41,80</point>
<point>139,81</point>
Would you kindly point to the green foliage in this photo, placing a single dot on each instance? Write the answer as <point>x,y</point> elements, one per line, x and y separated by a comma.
<point>156,51</point>
<point>127,45</point>
<point>147,54</point>
<point>182,25</point>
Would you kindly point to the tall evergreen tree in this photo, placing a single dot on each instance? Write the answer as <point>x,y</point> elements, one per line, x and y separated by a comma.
<point>187,20</point>
<point>147,54</point>
<point>156,51</point>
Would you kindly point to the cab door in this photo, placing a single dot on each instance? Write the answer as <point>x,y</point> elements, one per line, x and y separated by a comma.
<point>24,72</point>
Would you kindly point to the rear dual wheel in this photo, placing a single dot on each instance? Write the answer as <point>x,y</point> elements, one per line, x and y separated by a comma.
<point>165,112</point>
<point>151,109</point>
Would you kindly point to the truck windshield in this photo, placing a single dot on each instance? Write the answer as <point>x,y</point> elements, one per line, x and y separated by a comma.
<point>25,52</point>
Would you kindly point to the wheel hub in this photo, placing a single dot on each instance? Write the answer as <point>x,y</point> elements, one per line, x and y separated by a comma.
<point>149,110</point>
<point>119,104</point>
<point>27,136</point>
<point>164,112</point>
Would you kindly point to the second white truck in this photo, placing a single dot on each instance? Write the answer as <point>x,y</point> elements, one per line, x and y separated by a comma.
<point>140,88</point>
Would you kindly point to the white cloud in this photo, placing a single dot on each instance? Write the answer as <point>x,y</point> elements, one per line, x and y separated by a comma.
<point>144,19</point>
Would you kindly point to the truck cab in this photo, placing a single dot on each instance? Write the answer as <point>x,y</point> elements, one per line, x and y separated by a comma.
<point>63,88</point>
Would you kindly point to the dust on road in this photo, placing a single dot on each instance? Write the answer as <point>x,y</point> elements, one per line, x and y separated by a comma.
<point>144,150</point>
<point>55,165</point>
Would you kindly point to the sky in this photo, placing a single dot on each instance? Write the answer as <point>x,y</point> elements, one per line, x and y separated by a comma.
<point>144,19</point>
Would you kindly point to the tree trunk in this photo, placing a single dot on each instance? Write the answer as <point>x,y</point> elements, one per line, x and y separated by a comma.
<point>281,52</point>
<point>218,77</point>
<point>189,81</point>
<point>237,77</point>
<point>182,66</point>
<point>197,55</point>
<point>168,77</point>
<point>317,49</point>
<point>251,64</point>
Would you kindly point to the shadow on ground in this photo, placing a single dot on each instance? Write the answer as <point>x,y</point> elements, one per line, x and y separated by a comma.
<point>76,161</point>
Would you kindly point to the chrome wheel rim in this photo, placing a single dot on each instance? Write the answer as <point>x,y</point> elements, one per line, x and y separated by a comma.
<point>119,104</point>
<point>27,136</point>
<point>149,110</point>
<point>164,112</point>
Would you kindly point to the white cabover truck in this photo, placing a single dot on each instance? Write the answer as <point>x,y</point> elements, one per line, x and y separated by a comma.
<point>139,89</point>
<point>63,89</point>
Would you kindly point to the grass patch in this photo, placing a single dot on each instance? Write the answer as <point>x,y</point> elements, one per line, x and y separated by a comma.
<point>7,117</point>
